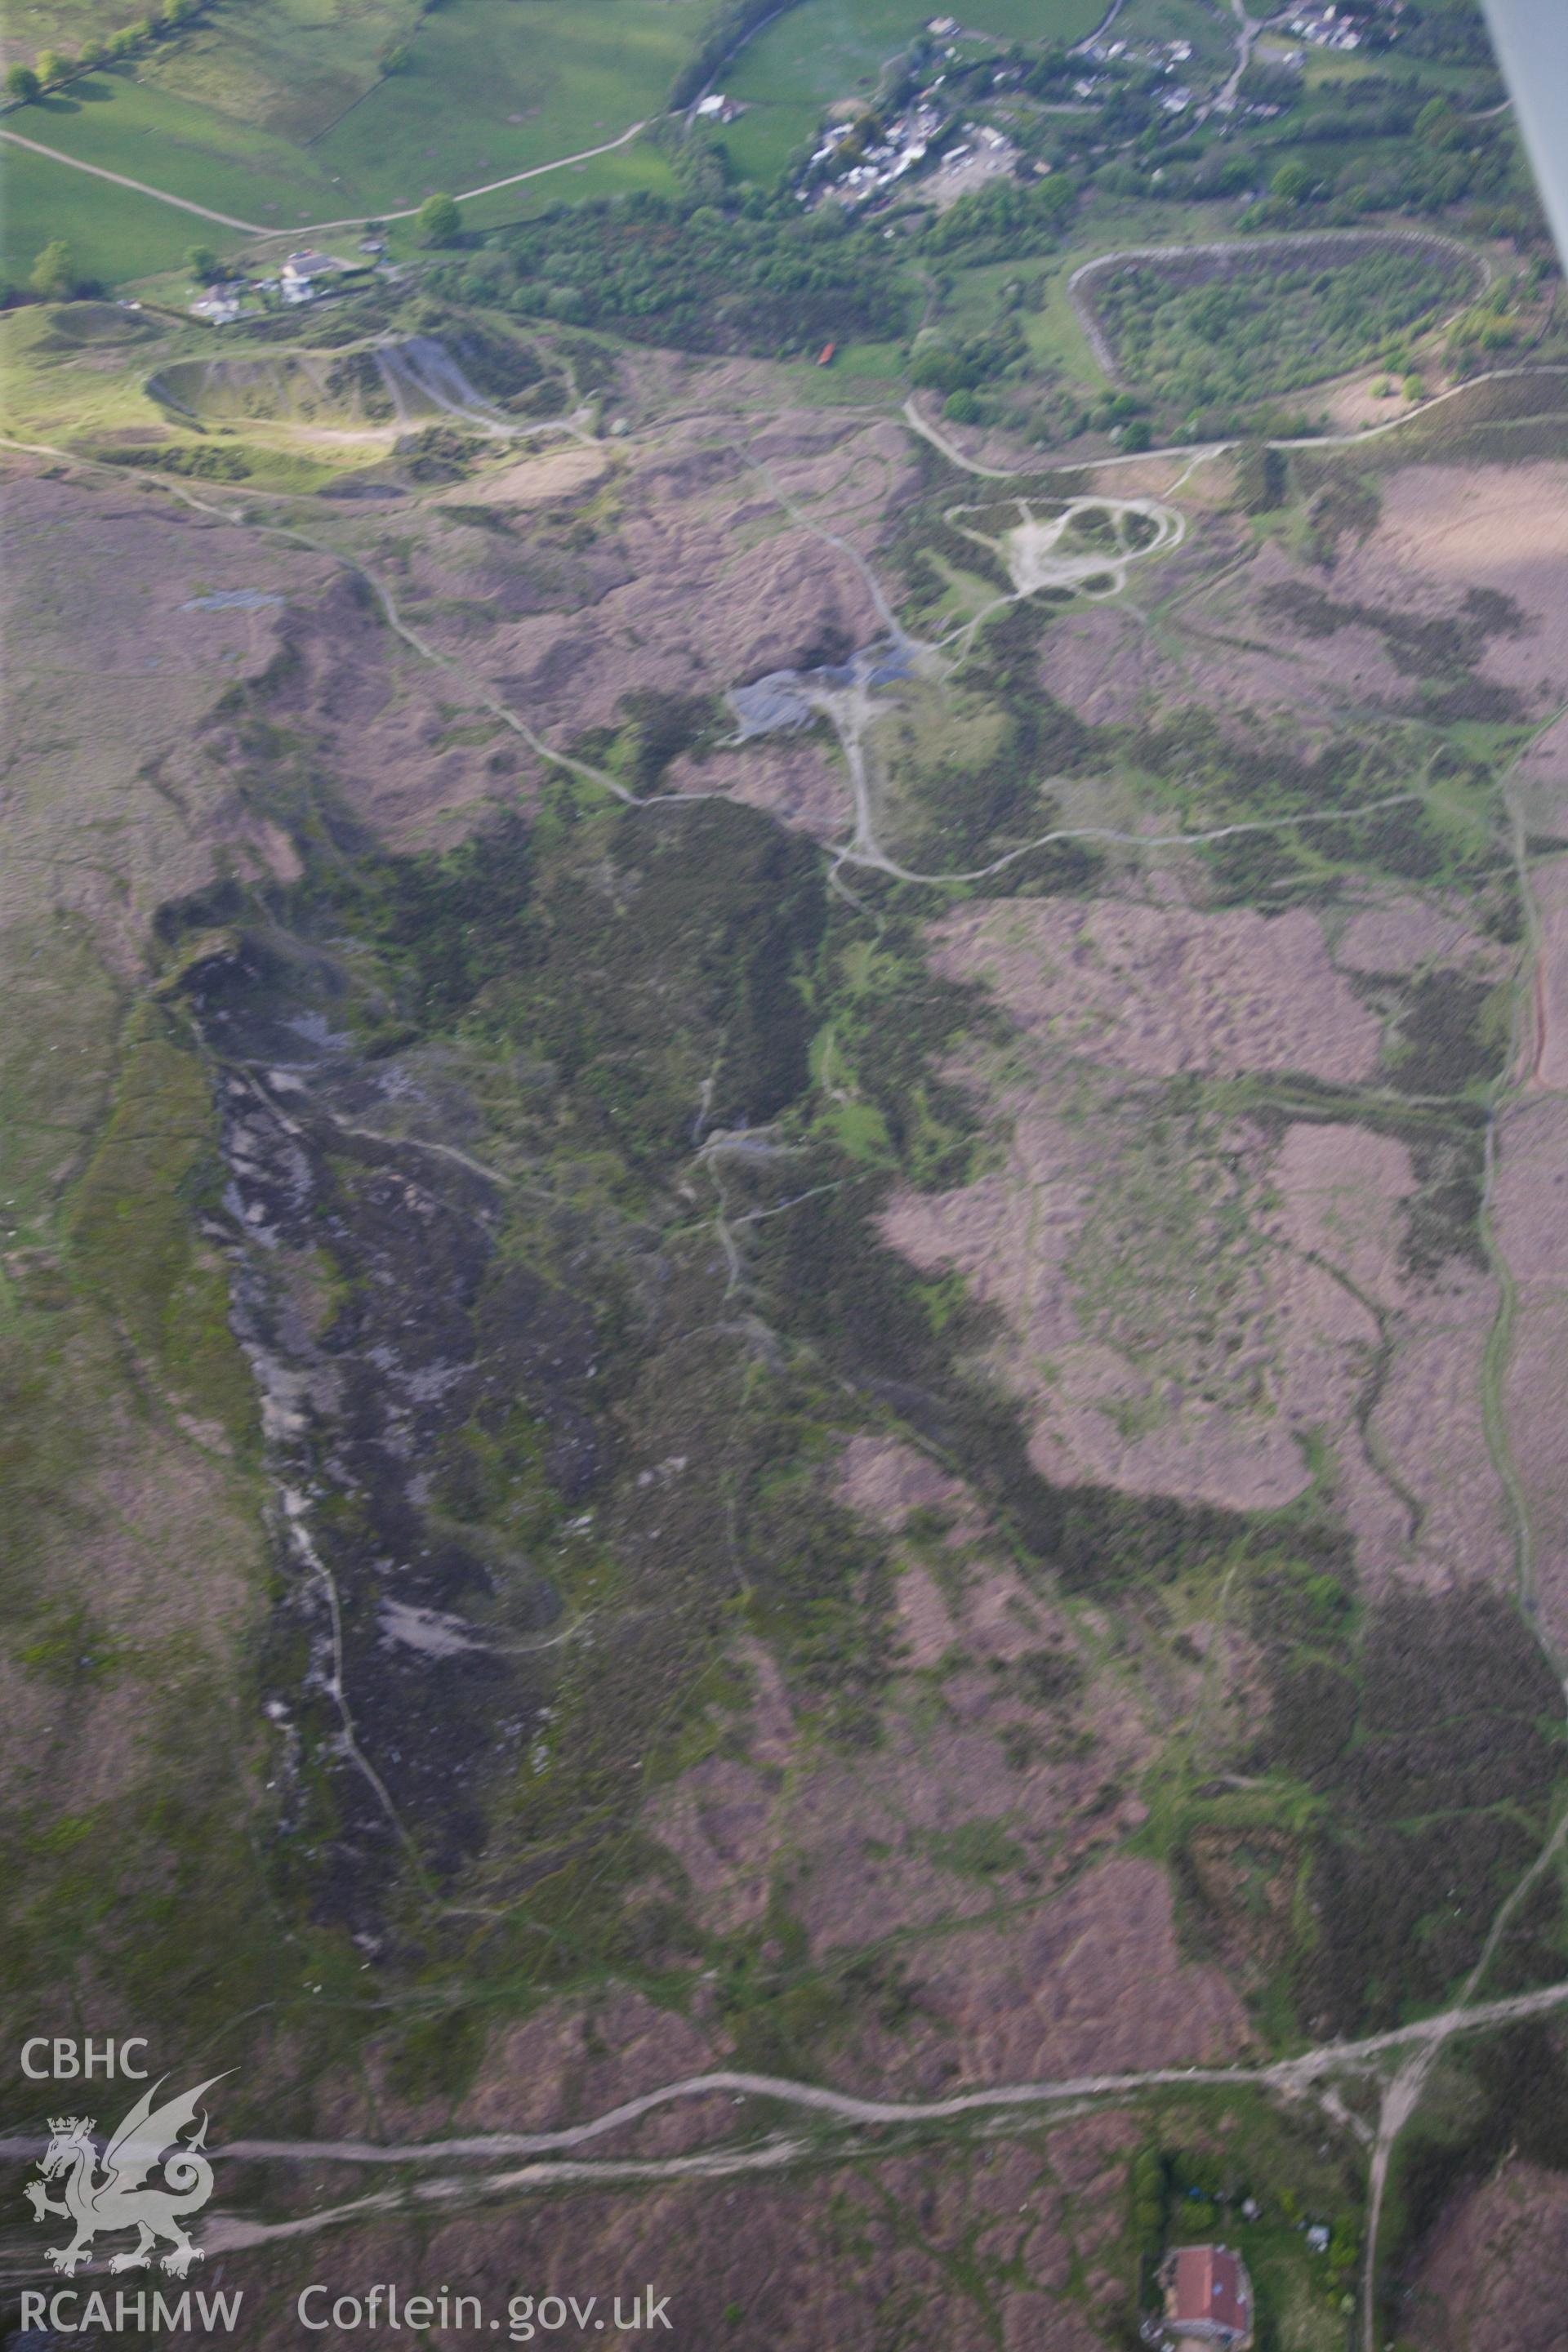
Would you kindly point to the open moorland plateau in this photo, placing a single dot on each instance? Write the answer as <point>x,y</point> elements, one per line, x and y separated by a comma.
<point>785,1309</point>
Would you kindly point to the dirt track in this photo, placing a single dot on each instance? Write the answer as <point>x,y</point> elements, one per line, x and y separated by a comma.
<point>1290,2078</point>
<point>304,229</point>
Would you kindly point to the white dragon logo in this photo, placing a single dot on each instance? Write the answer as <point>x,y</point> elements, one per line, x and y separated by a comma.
<point>116,2199</point>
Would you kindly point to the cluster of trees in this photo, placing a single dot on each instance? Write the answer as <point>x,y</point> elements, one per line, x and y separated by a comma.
<point>1150,2186</point>
<point>1267,326</point>
<point>1197,175</point>
<point>54,276</point>
<point>1451,33</point>
<point>50,67</point>
<point>701,165</point>
<point>211,463</point>
<point>1447,157</point>
<point>1377,108</point>
<point>757,279</point>
<point>940,365</point>
<point>722,270</point>
<point>1120,414</point>
<point>711,272</point>
<point>1006,221</point>
<point>1490,327</point>
<point>1052,75</point>
<point>1279,86</point>
<point>440,221</point>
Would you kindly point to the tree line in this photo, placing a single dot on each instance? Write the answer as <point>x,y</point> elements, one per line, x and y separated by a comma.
<point>51,69</point>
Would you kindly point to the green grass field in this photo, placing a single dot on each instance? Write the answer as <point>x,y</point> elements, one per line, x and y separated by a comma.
<point>1039,22</point>
<point>288,66</point>
<point>114,236</point>
<point>122,123</point>
<point>1211,31</point>
<point>63,25</point>
<point>49,396</point>
<point>491,88</point>
<point>498,86</point>
<point>1053,332</point>
<point>640,165</point>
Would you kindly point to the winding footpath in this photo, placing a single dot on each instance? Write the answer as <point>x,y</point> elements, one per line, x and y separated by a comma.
<point>137,187</point>
<point>1199,453</point>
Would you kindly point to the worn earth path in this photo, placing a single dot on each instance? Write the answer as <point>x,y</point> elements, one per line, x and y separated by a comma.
<point>1291,2078</point>
<point>1199,453</point>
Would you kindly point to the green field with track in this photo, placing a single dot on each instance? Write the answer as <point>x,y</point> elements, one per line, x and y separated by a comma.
<point>283,128</point>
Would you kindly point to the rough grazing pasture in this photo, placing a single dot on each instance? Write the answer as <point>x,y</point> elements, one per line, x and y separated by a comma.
<point>114,234</point>
<point>287,65</point>
<point>1114,1193</point>
<point>495,87</point>
<point>123,123</point>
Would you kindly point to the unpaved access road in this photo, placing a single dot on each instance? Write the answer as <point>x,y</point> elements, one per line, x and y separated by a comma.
<point>1248,28</point>
<point>305,228</point>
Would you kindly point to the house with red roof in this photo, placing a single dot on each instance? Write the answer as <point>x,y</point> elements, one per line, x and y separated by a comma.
<point>1208,2297</point>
